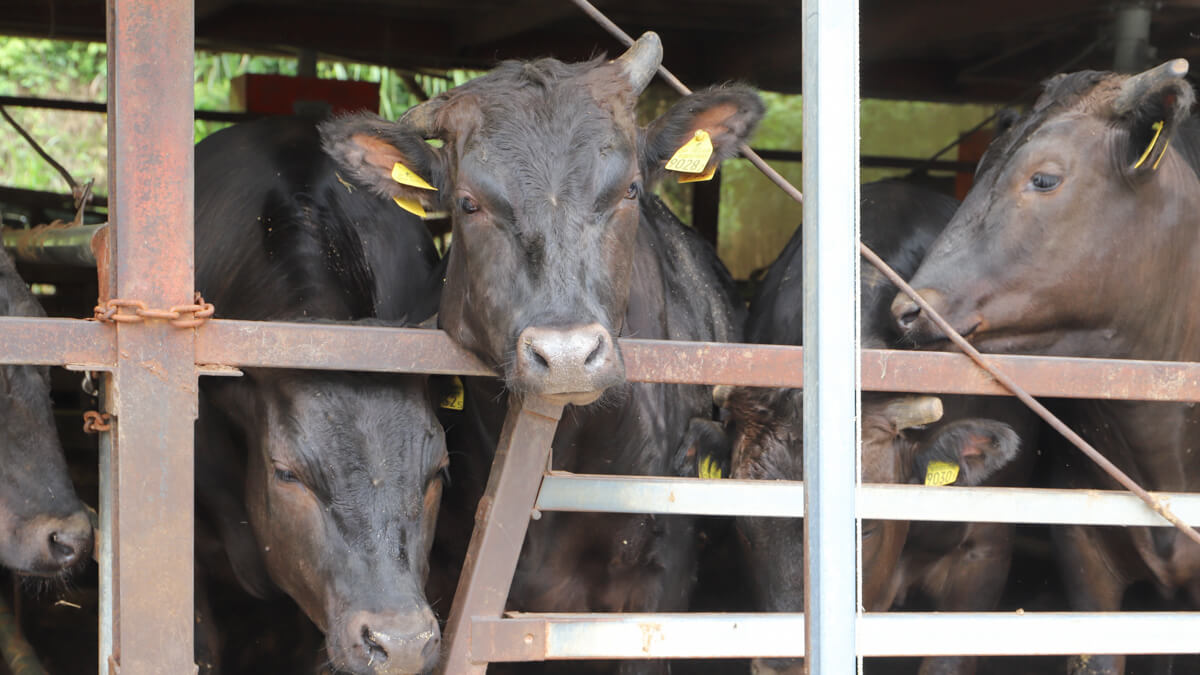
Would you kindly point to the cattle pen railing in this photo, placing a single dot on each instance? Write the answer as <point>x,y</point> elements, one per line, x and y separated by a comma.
<point>151,368</point>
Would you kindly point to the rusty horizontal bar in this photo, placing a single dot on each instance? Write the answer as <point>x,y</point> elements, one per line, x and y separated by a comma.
<point>538,637</point>
<point>373,348</point>
<point>56,342</point>
<point>324,346</point>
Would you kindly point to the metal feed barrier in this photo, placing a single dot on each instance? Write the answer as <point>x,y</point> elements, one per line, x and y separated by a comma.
<point>151,367</point>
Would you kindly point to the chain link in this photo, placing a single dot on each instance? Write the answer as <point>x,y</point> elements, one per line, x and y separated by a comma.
<point>180,316</point>
<point>95,422</point>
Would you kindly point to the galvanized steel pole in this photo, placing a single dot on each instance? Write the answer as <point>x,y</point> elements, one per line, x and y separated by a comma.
<point>146,567</point>
<point>831,363</point>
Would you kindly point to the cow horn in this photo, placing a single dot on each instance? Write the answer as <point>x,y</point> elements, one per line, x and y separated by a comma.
<point>721,394</point>
<point>913,411</point>
<point>1138,86</point>
<point>641,60</point>
<point>423,118</point>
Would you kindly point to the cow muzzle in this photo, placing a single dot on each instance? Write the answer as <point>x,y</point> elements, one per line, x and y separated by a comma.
<point>387,643</point>
<point>567,364</point>
<point>49,545</point>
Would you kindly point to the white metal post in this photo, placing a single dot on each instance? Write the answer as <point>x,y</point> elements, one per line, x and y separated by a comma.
<point>831,401</point>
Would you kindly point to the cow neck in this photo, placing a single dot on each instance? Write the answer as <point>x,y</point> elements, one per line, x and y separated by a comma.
<point>1160,321</point>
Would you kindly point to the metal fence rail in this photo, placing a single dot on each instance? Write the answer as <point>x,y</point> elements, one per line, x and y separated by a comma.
<point>785,499</point>
<point>537,637</point>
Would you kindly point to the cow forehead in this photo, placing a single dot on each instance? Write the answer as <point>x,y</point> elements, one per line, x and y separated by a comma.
<point>356,421</point>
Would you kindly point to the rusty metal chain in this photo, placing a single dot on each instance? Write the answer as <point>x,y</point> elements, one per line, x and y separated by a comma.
<point>180,316</point>
<point>95,422</point>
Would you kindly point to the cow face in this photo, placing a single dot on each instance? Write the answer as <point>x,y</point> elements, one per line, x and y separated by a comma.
<point>769,445</point>
<point>343,483</point>
<point>44,528</point>
<point>768,431</point>
<point>1077,211</point>
<point>543,171</point>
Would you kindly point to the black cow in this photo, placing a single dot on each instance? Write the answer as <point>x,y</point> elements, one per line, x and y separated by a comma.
<point>323,484</point>
<point>559,248</point>
<point>1081,237</point>
<point>44,528</point>
<point>960,566</point>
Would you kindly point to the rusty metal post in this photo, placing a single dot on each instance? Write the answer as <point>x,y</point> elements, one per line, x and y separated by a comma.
<point>500,524</point>
<point>152,389</point>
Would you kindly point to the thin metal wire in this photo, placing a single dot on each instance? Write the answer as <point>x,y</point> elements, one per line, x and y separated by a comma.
<point>62,171</point>
<point>1111,469</point>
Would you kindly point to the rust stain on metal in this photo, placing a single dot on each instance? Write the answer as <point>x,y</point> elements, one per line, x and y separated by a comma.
<point>155,368</point>
<point>651,633</point>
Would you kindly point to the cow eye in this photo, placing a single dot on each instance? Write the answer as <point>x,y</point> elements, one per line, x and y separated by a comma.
<point>284,476</point>
<point>1045,182</point>
<point>632,192</point>
<point>468,205</point>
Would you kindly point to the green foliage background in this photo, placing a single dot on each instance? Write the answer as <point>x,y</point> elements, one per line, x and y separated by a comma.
<point>756,218</point>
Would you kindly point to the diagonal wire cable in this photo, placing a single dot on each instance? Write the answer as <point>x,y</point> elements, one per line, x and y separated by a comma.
<point>1159,506</point>
<point>38,149</point>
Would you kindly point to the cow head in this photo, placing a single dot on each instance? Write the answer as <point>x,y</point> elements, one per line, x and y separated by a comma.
<point>44,528</point>
<point>343,478</point>
<point>768,428</point>
<point>1080,210</point>
<point>542,168</point>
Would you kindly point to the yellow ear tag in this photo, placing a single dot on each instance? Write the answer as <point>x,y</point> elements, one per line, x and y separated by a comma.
<point>411,205</point>
<point>941,473</point>
<point>454,400</point>
<point>404,176</point>
<point>709,468</point>
<point>697,177</point>
<point>1157,127</point>
<point>693,156</point>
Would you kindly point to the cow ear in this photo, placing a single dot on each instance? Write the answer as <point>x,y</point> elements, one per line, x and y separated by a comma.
<point>907,412</point>
<point>727,114</point>
<point>1151,106</point>
<point>977,447</point>
<point>393,160</point>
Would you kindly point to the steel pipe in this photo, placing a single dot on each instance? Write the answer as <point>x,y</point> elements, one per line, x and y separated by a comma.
<point>55,244</point>
<point>537,637</point>
<point>784,499</point>
<point>832,569</point>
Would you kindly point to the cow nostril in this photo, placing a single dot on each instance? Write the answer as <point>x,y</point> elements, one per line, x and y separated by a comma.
<point>375,651</point>
<point>432,648</point>
<point>539,358</point>
<point>597,353</point>
<point>62,550</point>
<point>909,317</point>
